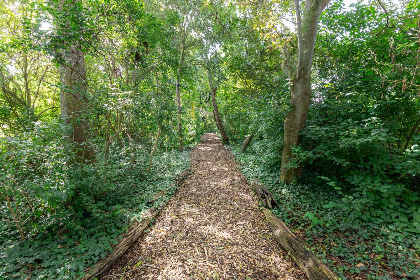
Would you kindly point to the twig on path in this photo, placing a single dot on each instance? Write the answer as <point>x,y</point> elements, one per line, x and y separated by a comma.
<point>151,266</point>
<point>116,275</point>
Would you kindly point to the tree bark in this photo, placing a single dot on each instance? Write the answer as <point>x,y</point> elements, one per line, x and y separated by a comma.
<point>73,102</point>
<point>246,143</point>
<point>216,115</point>
<point>314,268</point>
<point>264,195</point>
<point>217,118</point>
<point>178,96</point>
<point>307,27</point>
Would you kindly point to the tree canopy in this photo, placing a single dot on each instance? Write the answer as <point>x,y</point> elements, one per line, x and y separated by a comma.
<point>101,100</point>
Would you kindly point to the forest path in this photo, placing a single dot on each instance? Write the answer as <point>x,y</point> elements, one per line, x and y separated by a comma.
<point>211,229</point>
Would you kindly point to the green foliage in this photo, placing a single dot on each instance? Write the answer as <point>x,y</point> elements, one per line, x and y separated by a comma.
<point>34,167</point>
<point>360,151</point>
<point>344,229</point>
<point>254,99</point>
<point>70,214</point>
<point>359,156</point>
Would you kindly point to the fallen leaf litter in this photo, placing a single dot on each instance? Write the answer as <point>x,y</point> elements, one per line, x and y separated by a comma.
<point>211,229</point>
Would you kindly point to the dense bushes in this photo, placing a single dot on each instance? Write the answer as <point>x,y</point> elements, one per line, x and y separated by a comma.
<point>360,160</point>
<point>369,229</point>
<point>34,181</point>
<point>357,200</point>
<point>57,218</point>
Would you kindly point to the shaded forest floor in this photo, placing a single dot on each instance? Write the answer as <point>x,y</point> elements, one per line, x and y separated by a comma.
<point>378,248</point>
<point>211,229</point>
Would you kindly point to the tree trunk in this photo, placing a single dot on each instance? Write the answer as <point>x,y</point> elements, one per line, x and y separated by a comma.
<point>216,115</point>
<point>246,143</point>
<point>293,125</point>
<point>413,130</point>
<point>178,96</point>
<point>264,195</point>
<point>307,27</point>
<point>73,102</point>
<point>154,149</point>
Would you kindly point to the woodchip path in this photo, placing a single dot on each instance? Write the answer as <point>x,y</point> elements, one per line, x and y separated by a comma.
<point>211,229</point>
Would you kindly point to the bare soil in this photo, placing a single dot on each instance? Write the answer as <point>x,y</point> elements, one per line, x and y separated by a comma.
<point>211,229</point>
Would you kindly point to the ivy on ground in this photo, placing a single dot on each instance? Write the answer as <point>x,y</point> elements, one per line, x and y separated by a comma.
<point>79,211</point>
<point>380,246</point>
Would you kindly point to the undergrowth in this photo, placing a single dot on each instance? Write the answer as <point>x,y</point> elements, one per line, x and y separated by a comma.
<point>70,216</point>
<point>385,246</point>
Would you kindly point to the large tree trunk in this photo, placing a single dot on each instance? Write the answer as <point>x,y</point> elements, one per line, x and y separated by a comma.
<point>73,102</point>
<point>178,96</point>
<point>307,27</point>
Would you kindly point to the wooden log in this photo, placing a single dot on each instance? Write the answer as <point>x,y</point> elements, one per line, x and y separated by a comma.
<point>314,268</point>
<point>121,248</point>
<point>129,238</point>
<point>246,143</point>
<point>263,194</point>
<point>183,176</point>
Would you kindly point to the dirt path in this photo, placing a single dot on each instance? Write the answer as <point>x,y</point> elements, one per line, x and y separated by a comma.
<point>211,229</point>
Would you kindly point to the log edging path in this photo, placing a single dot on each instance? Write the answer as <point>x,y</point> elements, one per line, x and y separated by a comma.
<point>129,238</point>
<point>213,228</point>
<point>314,267</point>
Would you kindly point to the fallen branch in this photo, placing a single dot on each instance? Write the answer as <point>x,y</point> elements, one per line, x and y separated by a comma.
<point>311,265</point>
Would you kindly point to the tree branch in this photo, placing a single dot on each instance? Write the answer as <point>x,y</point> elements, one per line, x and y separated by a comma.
<point>299,30</point>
